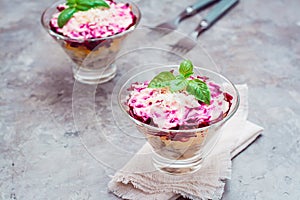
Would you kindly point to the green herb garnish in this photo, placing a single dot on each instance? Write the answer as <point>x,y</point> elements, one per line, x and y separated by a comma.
<point>195,87</point>
<point>78,5</point>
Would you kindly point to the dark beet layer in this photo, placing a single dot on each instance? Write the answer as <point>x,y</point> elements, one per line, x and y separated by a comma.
<point>181,136</point>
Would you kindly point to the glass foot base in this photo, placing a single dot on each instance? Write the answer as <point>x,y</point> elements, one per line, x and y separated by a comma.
<point>177,167</point>
<point>90,76</point>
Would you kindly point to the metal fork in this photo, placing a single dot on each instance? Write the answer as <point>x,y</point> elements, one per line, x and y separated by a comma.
<point>186,44</point>
<point>167,27</point>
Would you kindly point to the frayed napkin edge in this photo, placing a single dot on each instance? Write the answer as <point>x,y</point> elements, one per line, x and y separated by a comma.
<point>129,186</point>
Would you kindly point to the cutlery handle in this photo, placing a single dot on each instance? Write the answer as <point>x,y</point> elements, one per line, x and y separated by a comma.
<point>200,5</point>
<point>218,10</point>
<point>195,8</point>
<point>212,16</point>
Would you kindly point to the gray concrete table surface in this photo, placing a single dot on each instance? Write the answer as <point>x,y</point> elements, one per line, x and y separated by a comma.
<point>41,155</point>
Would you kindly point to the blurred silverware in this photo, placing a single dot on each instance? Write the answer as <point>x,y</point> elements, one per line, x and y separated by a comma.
<point>185,44</point>
<point>169,26</point>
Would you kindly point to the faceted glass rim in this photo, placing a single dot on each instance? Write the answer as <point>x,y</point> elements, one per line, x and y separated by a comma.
<point>154,128</point>
<point>45,22</point>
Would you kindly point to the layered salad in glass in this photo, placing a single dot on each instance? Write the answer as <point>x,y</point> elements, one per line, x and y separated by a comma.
<point>91,32</point>
<point>178,110</point>
<point>83,23</point>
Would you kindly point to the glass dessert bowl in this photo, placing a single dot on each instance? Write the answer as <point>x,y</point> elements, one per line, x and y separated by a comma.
<point>181,123</point>
<point>92,45</point>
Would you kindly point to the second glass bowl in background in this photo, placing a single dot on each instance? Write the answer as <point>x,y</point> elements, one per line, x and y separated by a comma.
<point>93,58</point>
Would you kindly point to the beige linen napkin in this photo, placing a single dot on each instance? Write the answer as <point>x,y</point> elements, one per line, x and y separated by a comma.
<point>138,179</point>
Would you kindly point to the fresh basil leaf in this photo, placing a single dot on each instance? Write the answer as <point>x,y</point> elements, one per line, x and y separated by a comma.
<point>65,16</point>
<point>101,3</point>
<point>178,84</point>
<point>71,2</point>
<point>88,3</point>
<point>180,76</point>
<point>82,7</point>
<point>186,68</point>
<point>199,89</point>
<point>161,80</point>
